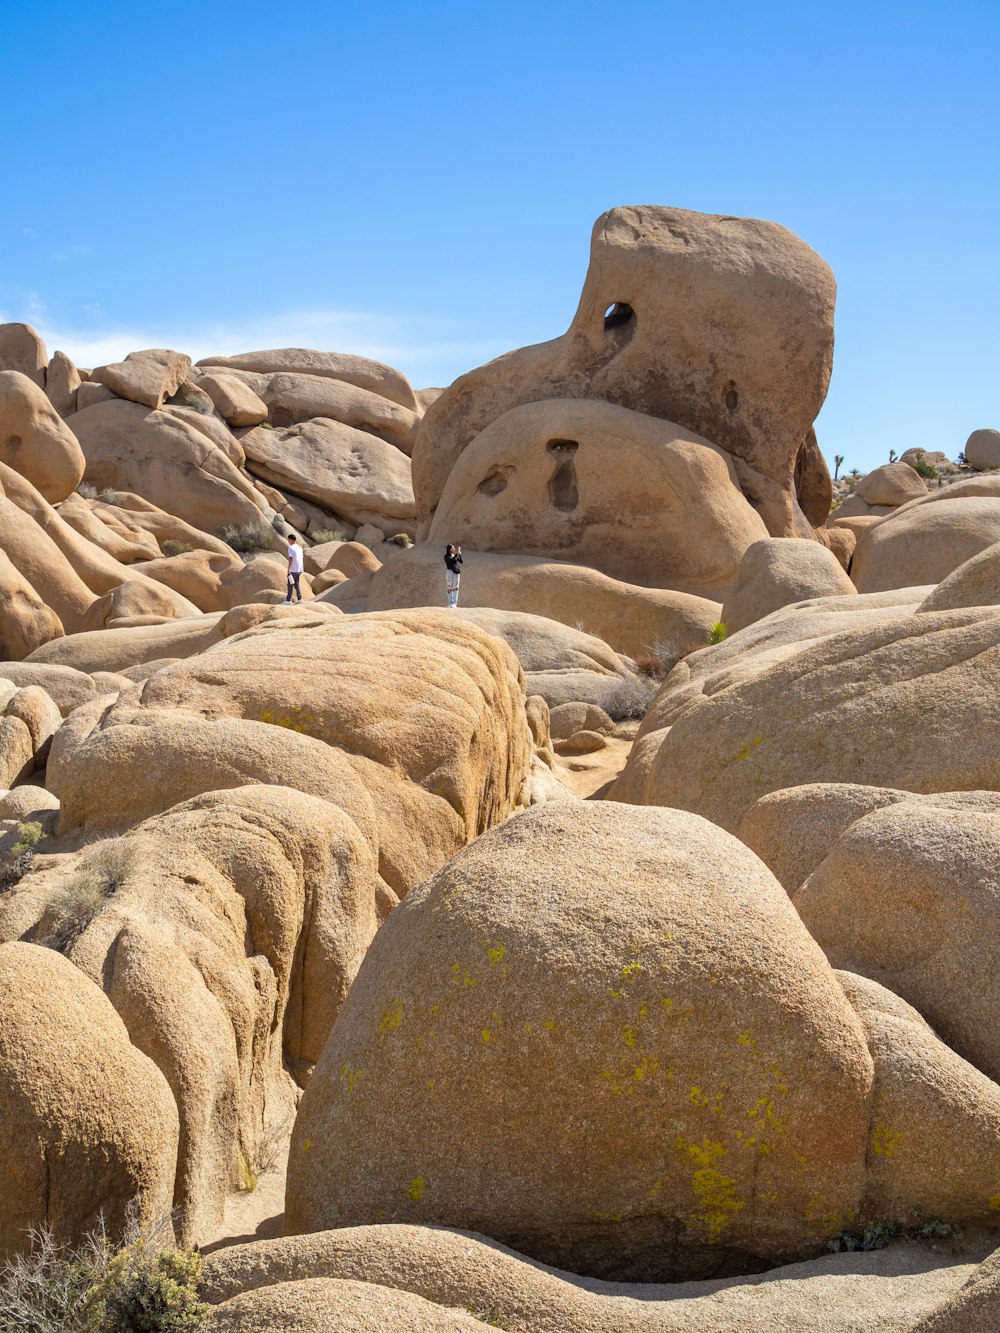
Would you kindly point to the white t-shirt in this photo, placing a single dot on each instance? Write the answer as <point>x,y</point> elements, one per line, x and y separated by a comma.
<point>295,555</point>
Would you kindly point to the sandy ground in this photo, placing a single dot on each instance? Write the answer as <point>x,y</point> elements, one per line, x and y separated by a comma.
<point>253,1215</point>
<point>590,775</point>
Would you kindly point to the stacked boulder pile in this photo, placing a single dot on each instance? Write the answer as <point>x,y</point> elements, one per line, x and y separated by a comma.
<point>303,894</point>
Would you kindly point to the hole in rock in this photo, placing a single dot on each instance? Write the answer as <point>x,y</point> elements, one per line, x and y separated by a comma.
<point>493,484</point>
<point>562,488</point>
<point>732,398</point>
<point>618,315</point>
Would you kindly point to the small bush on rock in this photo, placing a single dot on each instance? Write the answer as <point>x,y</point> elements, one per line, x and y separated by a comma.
<point>245,537</point>
<point>87,491</point>
<point>717,632</point>
<point>400,539</point>
<point>926,470</point>
<point>629,699</point>
<point>111,497</point>
<point>173,547</point>
<point>143,1283</point>
<point>19,857</point>
<point>102,872</point>
<point>328,535</point>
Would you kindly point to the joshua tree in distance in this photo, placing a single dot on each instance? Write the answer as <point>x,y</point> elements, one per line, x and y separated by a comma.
<point>838,463</point>
<point>893,455</point>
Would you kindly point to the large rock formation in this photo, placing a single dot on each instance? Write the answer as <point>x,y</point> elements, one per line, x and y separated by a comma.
<point>723,325</point>
<point>641,499</point>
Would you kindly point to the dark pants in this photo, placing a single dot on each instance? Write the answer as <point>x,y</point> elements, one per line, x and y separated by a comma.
<point>293,581</point>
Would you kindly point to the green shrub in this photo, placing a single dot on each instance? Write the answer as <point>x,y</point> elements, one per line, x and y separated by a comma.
<point>111,497</point>
<point>400,539</point>
<point>18,859</point>
<point>926,470</point>
<point>717,632</point>
<point>877,1235</point>
<point>141,1283</point>
<point>148,1289</point>
<point>173,547</point>
<point>328,535</point>
<point>245,537</point>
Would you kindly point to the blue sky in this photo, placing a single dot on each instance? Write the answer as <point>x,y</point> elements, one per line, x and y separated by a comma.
<point>418,183</point>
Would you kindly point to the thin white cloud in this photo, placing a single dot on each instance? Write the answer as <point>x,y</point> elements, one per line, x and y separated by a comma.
<point>67,253</point>
<point>430,352</point>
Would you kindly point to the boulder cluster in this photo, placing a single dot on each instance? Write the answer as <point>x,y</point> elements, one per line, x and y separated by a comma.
<point>310,893</point>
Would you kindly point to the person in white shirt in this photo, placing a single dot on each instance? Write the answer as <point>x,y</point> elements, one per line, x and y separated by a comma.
<point>294,567</point>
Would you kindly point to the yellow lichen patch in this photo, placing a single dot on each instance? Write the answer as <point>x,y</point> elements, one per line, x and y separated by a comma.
<point>719,1203</point>
<point>350,1076</point>
<point>675,1012</point>
<point>495,953</point>
<point>461,976</point>
<point>885,1140</point>
<point>549,1024</point>
<point>487,1036</point>
<point>711,1100</point>
<point>647,1065</point>
<point>293,720</point>
<point>416,1188</point>
<point>747,749</point>
<point>994,1203</point>
<point>307,1145</point>
<point>392,1017</point>
<point>629,1036</point>
<point>747,1040</point>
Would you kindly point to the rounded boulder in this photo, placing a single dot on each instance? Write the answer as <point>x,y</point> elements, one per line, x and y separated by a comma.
<point>630,1060</point>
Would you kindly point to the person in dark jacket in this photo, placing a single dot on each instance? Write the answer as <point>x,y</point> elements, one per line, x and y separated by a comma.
<point>452,573</point>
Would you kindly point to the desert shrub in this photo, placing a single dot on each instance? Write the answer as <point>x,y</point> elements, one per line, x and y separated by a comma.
<point>629,699</point>
<point>247,536</point>
<point>86,490</point>
<point>141,1283</point>
<point>328,535</point>
<point>400,539</point>
<point>173,547</point>
<point>961,460</point>
<point>266,1155</point>
<point>926,470</point>
<point>148,1288</point>
<point>490,1317</point>
<point>111,497</point>
<point>877,1235</point>
<point>717,632</point>
<point>16,863</point>
<point>101,873</point>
